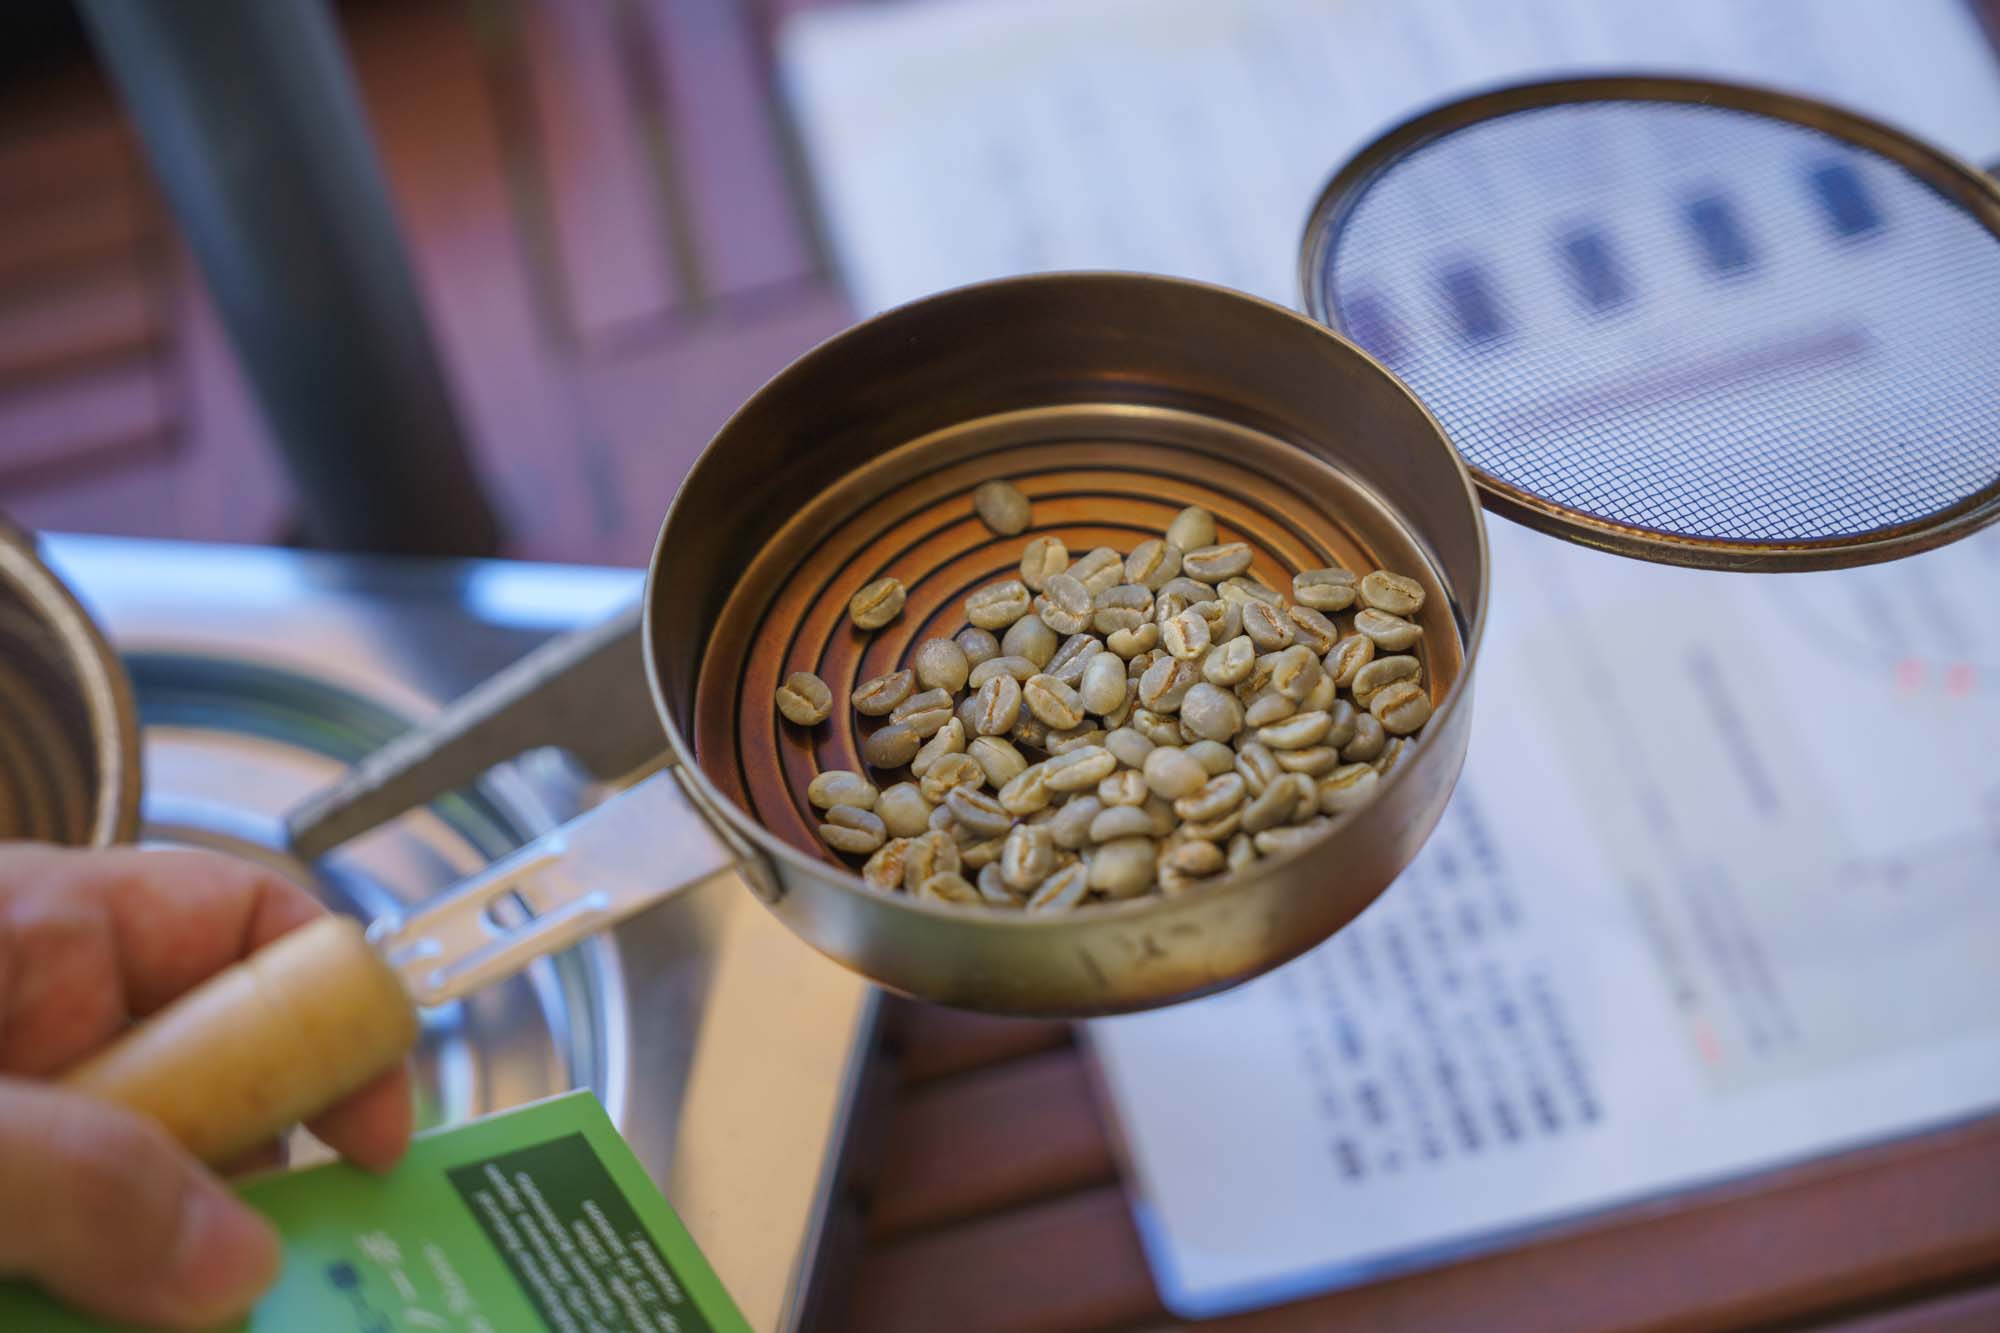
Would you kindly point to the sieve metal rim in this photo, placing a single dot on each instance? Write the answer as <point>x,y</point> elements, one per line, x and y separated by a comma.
<point>106,691</point>
<point>1956,179</point>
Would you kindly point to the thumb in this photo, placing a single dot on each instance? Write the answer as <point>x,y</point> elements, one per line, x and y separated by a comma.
<point>102,1209</point>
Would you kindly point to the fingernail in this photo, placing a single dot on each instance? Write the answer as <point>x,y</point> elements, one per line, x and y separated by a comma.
<point>228,1254</point>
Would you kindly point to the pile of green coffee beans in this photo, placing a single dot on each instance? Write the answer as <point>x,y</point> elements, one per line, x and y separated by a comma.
<point>1119,725</point>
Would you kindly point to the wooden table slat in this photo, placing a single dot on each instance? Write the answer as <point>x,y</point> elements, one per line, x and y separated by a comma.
<point>935,1042</point>
<point>991,1139</point>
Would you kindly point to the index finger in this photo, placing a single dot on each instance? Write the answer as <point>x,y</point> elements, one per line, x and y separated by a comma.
<point>99,937</point>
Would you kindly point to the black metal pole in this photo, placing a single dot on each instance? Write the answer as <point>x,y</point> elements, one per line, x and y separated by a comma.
<point>250,117</point>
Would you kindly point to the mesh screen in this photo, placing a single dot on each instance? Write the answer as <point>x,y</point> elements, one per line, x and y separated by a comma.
<point>1685,318</point>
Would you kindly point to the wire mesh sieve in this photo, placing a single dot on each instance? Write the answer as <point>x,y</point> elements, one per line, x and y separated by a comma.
<point>1685,321</point>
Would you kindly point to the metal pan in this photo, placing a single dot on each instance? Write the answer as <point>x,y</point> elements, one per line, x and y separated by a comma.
<point>1112,400</point>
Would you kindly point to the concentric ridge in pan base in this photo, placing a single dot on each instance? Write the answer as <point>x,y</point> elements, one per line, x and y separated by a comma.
<point>1103,475</point>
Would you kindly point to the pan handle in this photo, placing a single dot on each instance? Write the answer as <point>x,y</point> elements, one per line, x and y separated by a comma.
<point>644,845</point>
<point>316,1014</point>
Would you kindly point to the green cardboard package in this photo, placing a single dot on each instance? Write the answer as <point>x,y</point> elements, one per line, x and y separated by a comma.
<point>535,1218</point>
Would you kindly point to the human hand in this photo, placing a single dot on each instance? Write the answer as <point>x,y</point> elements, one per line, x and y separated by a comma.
<point>97,1204</point>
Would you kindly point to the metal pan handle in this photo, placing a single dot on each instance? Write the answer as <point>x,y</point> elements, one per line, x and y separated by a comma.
<point>644,845</point>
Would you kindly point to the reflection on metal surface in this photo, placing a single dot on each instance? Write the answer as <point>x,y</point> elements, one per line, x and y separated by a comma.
<point>229,745</point>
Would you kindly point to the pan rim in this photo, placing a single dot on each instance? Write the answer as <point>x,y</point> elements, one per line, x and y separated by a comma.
<point>716,805</point>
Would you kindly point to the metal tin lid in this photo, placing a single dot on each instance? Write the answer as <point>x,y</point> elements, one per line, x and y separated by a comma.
<point>1690,322</point>
<point>69,743</point>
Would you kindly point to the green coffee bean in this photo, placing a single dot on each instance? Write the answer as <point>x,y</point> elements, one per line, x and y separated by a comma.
<point>1121,606</point>
<point>1312,629</point>
<point>948,739</point>
<point>1185,636</point>
<point>1001,507</point>
<point>879,697</point>
<point>1028,731</point>
<point>1314,759</point>
<point>1020,668</point>
<point>1192,529</point>
<point>1230,663</point>
<point>1167,605</point>
<point>1127,643</point>
<point>924,713</point>
<point>1191,591</point>
<point>1213,756</point>
<point>1127,786</point>
<point>1401,708</point>
<point>1279,841</point>
<point>998,605</point>
<point>1166,683</point>
<point>1029,856</point>
<point>1064,605</point>
<point>1391,632</point>
<point>1159,728</point>
<point>853,830</point>
<point>1044,559</point>
<point>1258,767</point>
<point>1056,704</point>
<point>1321,696</point>
<point>1369,738</point>
<point>1099,570</point>
<point>1349,655</point>
<point>1128,746</point>
<point>1346,788</point>
<point>903,809</point>
<point>877,603</point>
<point>949,887</point>
<point>1397,594</point>
<point>1295,671</point>
<point>1075,651</point>
<point>1273,808</point>
<point>967,714</point>
<point>999,706</point>
<point>1061,891</point>
<point>1028,637</point>
<point>1153,563</point>
<point>979,644</point>
<point>1340,728</point>
<point>1197,858</point>
<point>1267,626</point>
<point>884,870</point>
<point>1071,825</point>
<point>1121,821</point>
<point>998,759</point>
<point>1027,791</point>
<point>1393,750</point>
<point>1383,672</point>
<point>1079,768</point>
<point>891,746</point>
<point>1224,619</point>
<point>1216,797</point>
<point>1210,713</point>
<point>949,774</point>
<point>941,665</point>
<point>1267,709</point>
<point>1243,591</point>
<point>1242,852</point>
<point>1220,829</point>
<point>1122,869</point>
<point>1325,589</point>
<point>1213,562</point>
<point>1102,689</point>
<point>804,699</point>
<point>992,886</point>
<point>840,786</point>
<point>975,810</point>
<point>1296,732</point>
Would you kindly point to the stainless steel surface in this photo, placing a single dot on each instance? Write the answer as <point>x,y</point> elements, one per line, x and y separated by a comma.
<point>250,117</point>
<point>1688,321</point>
<point>69,755</point>
<point>1113,398</point>
<point>725,1049</point>
<point>594,872</point>
<point>581,691</point>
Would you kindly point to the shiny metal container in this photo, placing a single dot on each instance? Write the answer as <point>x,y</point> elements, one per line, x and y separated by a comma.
<point>69,741</point>
<point>1112,400</point>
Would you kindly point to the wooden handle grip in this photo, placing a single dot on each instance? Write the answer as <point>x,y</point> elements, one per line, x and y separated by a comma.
<point>255,1049</point>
